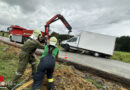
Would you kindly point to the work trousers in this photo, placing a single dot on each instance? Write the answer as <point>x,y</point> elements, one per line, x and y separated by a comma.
<point>24,59</point>
<point>46,65</point>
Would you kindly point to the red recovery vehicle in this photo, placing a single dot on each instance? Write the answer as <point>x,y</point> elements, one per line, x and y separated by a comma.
<point>19,34</point>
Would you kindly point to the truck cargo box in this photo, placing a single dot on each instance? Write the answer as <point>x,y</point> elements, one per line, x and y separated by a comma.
<point>97,42</point>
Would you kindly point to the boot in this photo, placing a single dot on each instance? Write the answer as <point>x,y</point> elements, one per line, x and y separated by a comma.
<point>51,86</point>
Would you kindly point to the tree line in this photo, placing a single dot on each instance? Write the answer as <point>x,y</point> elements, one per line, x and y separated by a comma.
<point>61,37</point>
<point>123,44</point>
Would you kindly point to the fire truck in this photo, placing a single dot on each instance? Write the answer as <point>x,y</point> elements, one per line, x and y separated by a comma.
<point>20,34</point>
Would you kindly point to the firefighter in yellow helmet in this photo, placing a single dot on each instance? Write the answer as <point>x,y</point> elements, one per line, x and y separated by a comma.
<point>27,56</point>
<point>47,64</point>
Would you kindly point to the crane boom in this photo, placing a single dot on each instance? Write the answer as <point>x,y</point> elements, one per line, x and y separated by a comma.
<point>55,18</point>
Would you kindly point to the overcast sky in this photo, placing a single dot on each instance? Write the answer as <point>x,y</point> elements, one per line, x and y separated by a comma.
<point>111,17</point>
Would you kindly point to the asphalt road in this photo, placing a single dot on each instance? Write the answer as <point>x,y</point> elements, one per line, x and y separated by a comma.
<point>110,66</point>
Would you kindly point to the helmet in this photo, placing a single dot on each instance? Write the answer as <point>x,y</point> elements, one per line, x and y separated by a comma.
<point>53,41</point>
<point>36,34</point>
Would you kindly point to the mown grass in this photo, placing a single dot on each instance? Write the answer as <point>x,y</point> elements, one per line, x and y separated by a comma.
<point>8,63</point>
<point>5,34</point>
<point>121,56</point>
<point>95,83</point>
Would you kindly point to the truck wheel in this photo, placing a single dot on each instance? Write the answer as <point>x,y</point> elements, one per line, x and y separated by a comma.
<point>10,39</point>
<point>24,39</point>
<point>67,47</point>
<point>96,54</point>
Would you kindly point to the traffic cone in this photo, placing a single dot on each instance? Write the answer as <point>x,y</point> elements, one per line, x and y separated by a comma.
<point>66,57</point>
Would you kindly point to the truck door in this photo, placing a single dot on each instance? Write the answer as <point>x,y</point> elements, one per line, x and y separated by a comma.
<point>73,42</point>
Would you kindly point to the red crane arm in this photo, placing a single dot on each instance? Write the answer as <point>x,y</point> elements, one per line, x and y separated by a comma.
<point>55,18</point>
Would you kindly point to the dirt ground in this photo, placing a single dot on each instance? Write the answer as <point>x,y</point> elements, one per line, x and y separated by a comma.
<point>65,79</point>
<point>69,78</point>
<point>11,49</point>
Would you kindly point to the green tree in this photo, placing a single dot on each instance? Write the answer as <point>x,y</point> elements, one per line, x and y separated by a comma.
<point>123,44</point>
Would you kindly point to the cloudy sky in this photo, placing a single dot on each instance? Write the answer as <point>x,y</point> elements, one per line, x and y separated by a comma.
<point>111,17</point>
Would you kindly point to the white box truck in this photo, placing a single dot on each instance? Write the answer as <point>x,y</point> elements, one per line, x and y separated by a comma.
<point>94,43</point>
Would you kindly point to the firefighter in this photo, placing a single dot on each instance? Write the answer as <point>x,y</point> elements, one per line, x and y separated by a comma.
<point>3,33</point>
<point>27,56</point>
<point>46,65</point>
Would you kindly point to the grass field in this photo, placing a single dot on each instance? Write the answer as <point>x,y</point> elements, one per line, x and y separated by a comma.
<point>121,56</point>
<point>5,34</point>
<point>7,62</point>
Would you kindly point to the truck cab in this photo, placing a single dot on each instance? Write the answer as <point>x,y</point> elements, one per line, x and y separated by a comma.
<point>71,43</point>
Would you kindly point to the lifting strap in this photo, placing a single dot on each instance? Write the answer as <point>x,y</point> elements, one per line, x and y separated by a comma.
<point>50,51</point>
